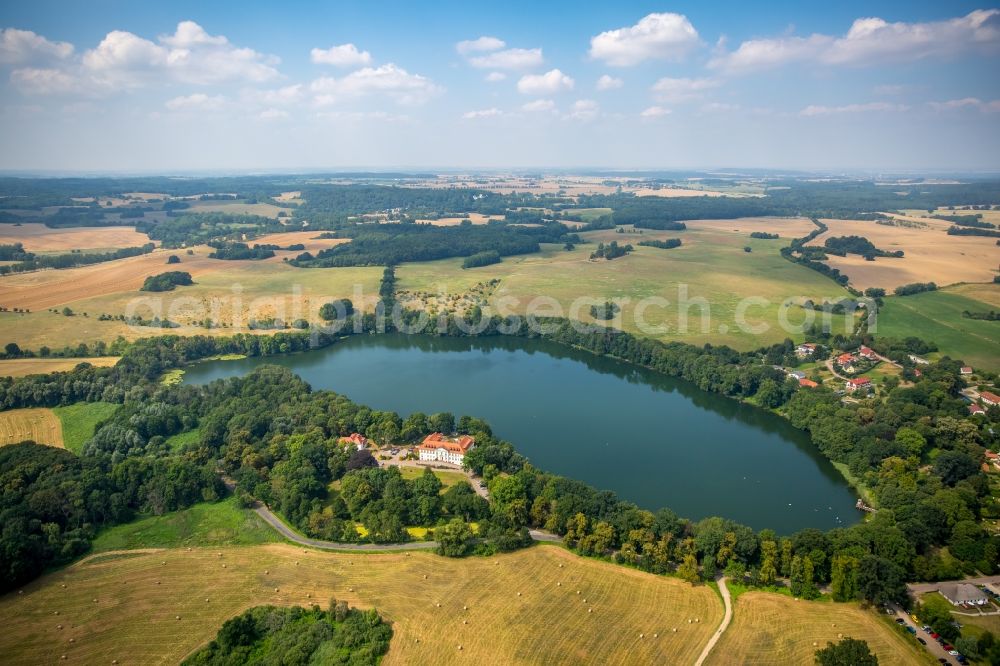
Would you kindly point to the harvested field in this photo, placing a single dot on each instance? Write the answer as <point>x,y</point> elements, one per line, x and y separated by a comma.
<point>307,238</point>
<point>51,288</point>
<point>113,608</point>
<point>22,367</point>
<point>474,218</point>
<point>230,293</point>
<point>786,227</point>
<point>37,424</point>
<point>930,255</point>
<point>770,628</point>
<point>37,237</point>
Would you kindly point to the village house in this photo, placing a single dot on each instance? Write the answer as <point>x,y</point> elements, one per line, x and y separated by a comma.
<point>868,353</point>
<point>357,439</point>
<point>805,349</point>
<point>975,409</point>
<point>991,399</point>
<point>845,359</point>
<point>858,384</point>
<point>441,448</point>
<point>965,370</point>
<point>992,458</point>
<point>797,374</point>
<point>807,383</point>
<point>963,594</point>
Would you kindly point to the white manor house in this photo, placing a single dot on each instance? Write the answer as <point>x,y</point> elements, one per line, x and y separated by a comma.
<point>440,448</point>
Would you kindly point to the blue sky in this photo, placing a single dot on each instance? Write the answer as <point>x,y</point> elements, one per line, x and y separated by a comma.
<point>127,86</point>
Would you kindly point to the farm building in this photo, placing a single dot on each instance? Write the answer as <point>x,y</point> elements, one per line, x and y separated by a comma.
<point>963,594</point>
<point>357,439</point>
<point>438,447</point>
<point>858,384</point>
<point>991,399</point>
<point>965,370</point>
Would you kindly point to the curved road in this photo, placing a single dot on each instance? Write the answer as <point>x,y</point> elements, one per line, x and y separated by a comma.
<point>284,530</point>
<point>726,619</point>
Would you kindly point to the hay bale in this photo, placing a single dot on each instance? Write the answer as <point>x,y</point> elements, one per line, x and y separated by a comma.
<point>72,640</point>
<point>206,600</point>
<point>459,647</point>
<point>642,635</point>
<point>675,630</point>
<point>590,610</point>
<point>275,589</point>
<point>656,635</point>
<point>223,566</point>
<point>157,582</point>
<point>266,572</point>
<point>177,617</point>
<point>465,608</point>
<point>308,595</point>
<point>55,613</point>
<point>58,626</point>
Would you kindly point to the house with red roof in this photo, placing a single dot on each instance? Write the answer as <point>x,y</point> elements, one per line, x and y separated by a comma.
<point>807,383</point>
<point>975,409</point>
<point>991,399</point>
<point>441,448</point>
<point>965,370</point>
<point>357,439</point>
<point>845,359</point>
<point>868,353</point>
<point>858,384</point>
<point>805,349</point>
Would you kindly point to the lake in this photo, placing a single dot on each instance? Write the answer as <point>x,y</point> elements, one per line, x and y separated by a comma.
<point>654,440</point>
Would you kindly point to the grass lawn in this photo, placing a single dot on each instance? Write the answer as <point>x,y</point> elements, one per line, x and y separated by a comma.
<point>79,420</point>
<point>937,317</point>
<point>710,265</point>
<point>180,440</point>
<point>207,524</point>
<point>523,607</point>
<point>770,628</point>
<point>448,479</point>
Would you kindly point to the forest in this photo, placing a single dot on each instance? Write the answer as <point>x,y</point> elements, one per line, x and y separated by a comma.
<point>296,635</point>
<point>166,281</point>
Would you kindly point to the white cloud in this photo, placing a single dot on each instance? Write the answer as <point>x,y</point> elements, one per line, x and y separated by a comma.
<point>763,53</point>
<point>388,80</point>
<point>816,110</point>
<point>657,36</point>
<point>479,45</point>
<point>539,105</point>
<point>495,77</point>
<point>40,81</point>
<point>682,90</point>
<point>190,55</point>
<point>609,83</point>
<point>23,46</point>
<point>966,103</point>
<point>345,55</point>
<point>275,97</point>
<point>123,60</point>
<point>482,113</point>
<point>272,114</point>
<point>509,59</point>
<point>655,112</point>
<point>870,41</point>
<point>552,81</point>
<point>196,102</point>
<point>583,109</point>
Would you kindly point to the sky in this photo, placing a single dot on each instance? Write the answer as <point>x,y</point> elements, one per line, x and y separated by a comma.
<point>157,87</point>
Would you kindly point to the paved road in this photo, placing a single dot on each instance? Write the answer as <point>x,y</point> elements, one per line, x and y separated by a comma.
<point>284,530</point>
<point>726,619</point>
<point>931,645</point>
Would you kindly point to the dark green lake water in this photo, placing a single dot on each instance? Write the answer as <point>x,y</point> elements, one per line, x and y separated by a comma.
<point>654,440</point>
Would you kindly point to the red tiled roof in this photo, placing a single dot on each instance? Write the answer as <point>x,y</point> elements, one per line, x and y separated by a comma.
<point>808,382</point>
<point>437,440</point>
<point>355,438</point>
<point>845,358</point>
<point>859,381</point>
<point>990,397</point>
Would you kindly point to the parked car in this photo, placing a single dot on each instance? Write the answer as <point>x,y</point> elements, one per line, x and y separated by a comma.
<point>900,620</point>
<point>922,641</point>
<point>935,635</point>
<point>955,653</point>
<point>948,647</point>
<point>911,630</point>
<point>942,660</point>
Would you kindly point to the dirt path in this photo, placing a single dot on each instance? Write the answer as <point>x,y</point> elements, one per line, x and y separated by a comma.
<point>726,619</point>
